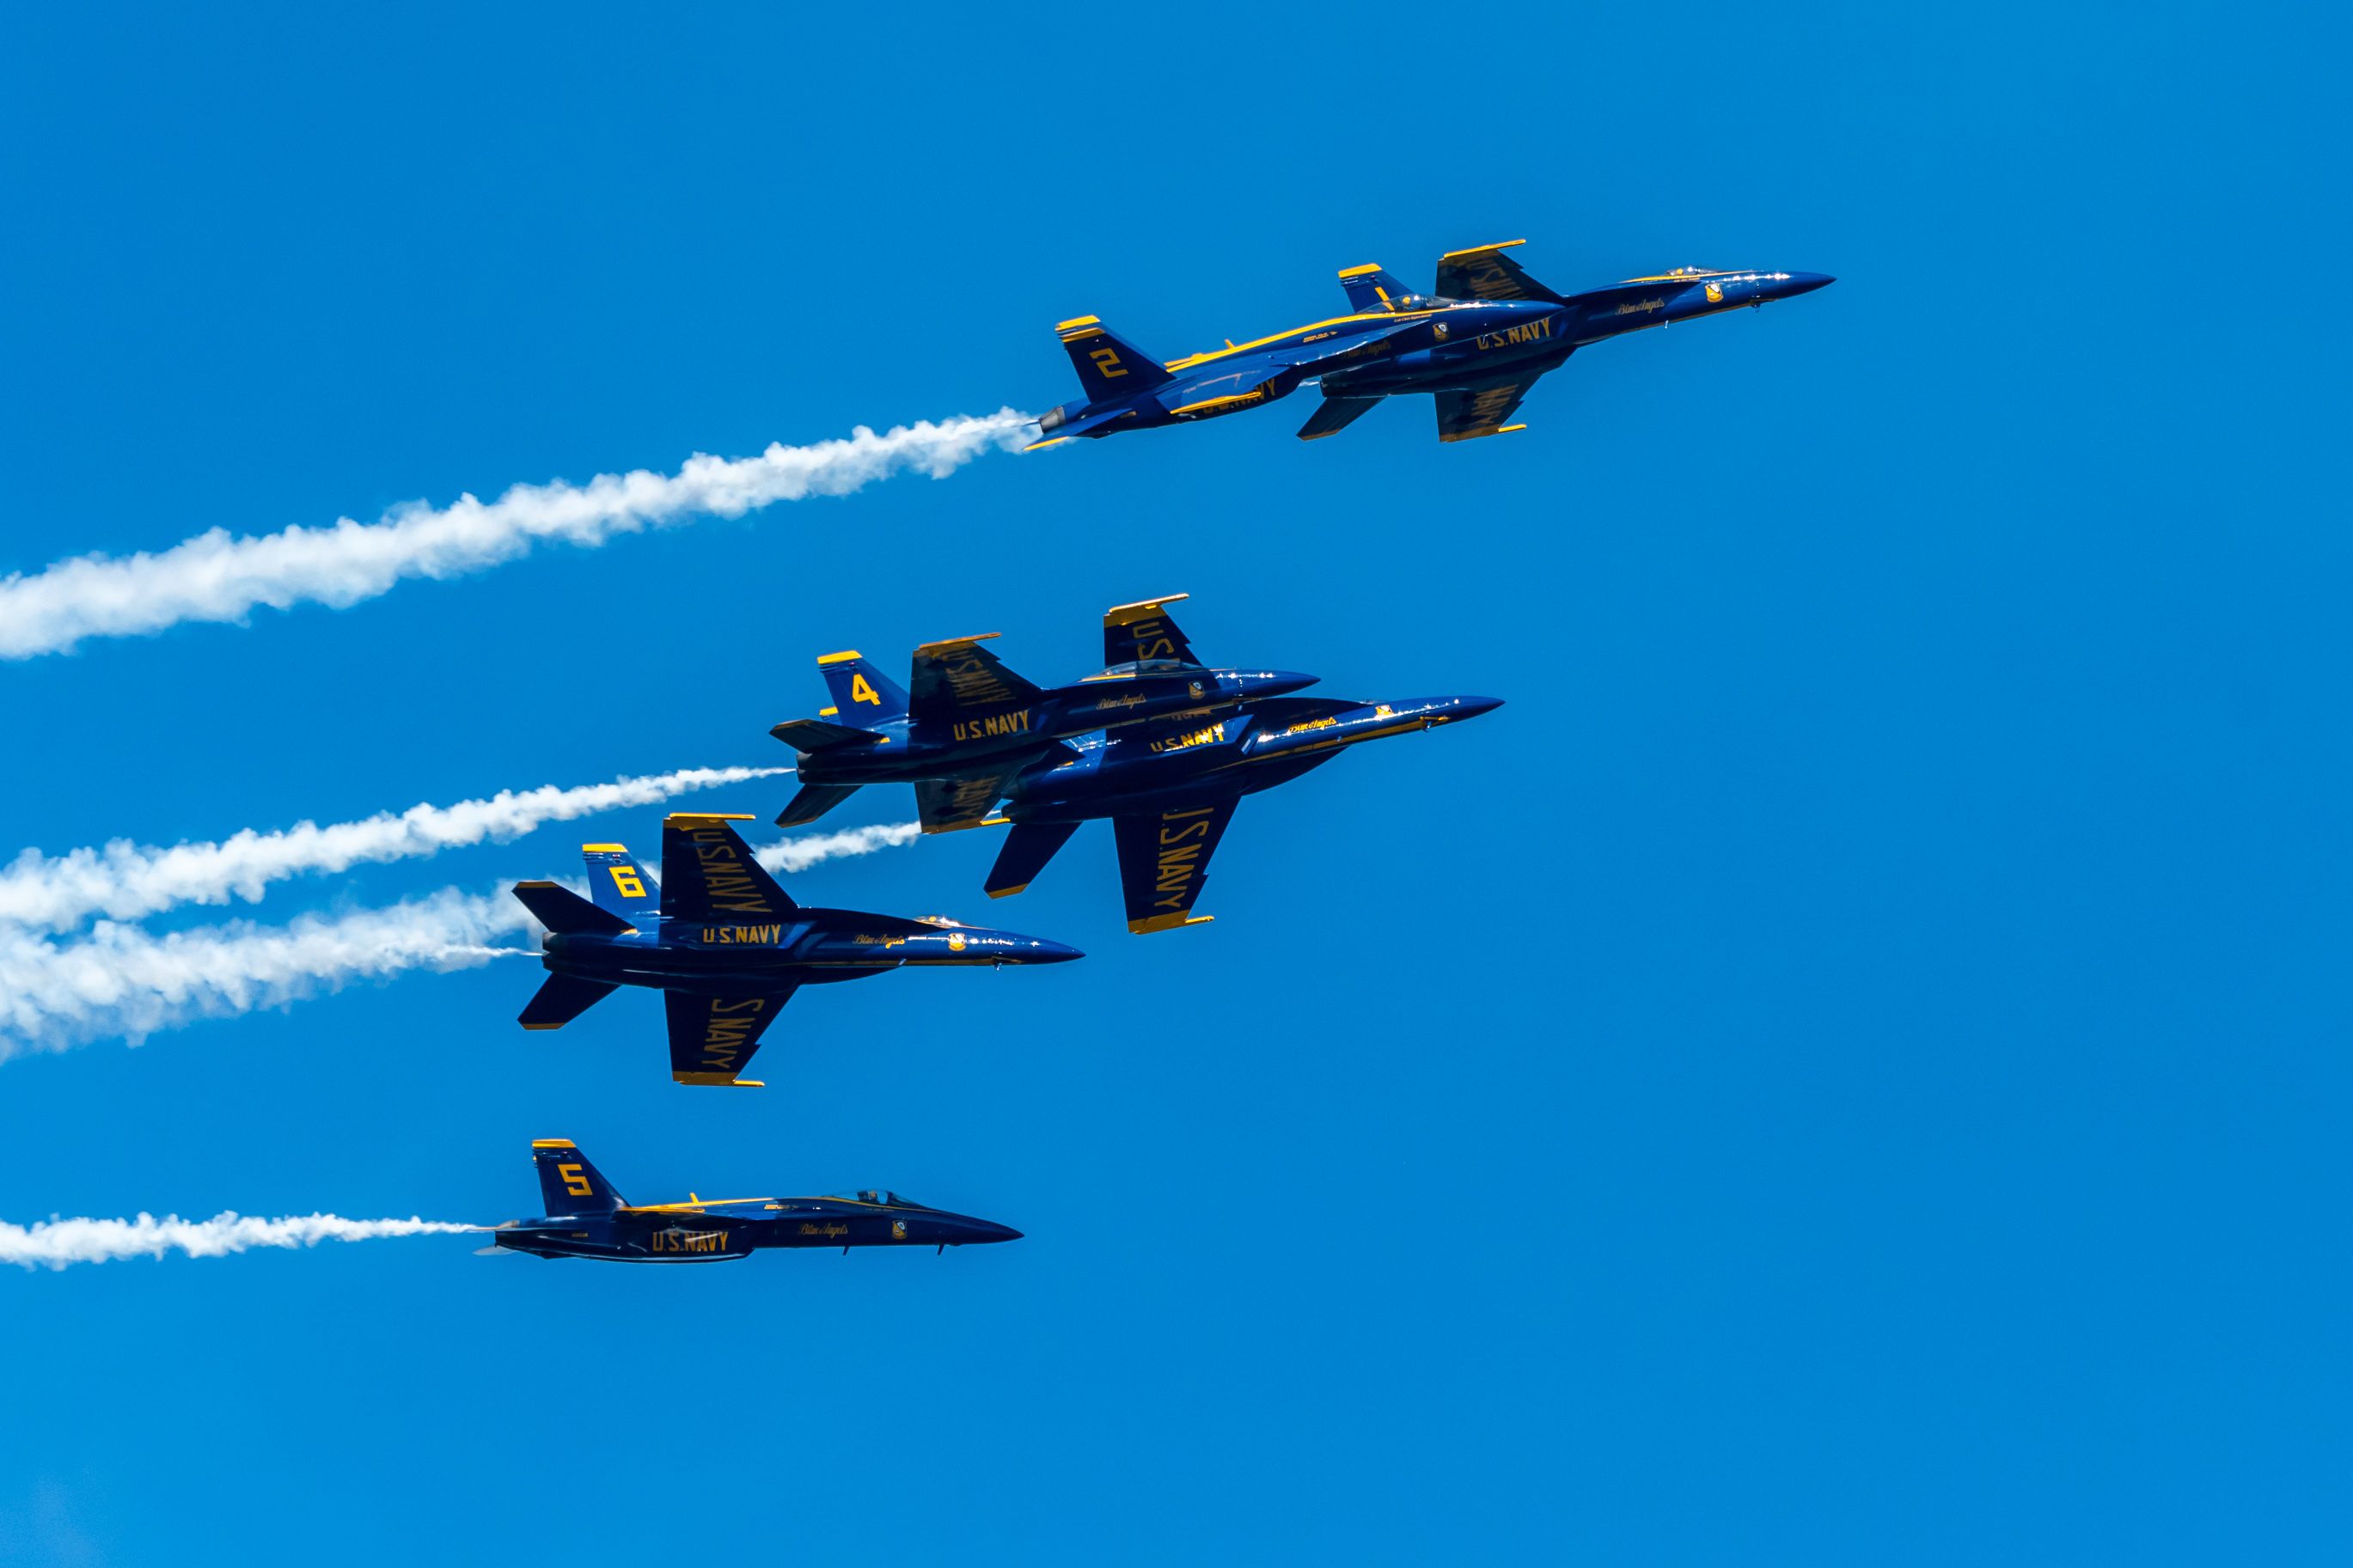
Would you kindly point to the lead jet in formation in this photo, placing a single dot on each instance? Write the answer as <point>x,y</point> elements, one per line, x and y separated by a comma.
<point>724,944</point>
<point>1170,792</point>
<point>1478,342</point>
<point>586,1218</point>
<point>970,724</point>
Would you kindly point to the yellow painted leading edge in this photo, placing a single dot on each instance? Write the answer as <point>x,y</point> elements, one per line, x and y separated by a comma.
<point>1476,249</point>
<point>551,1143</point>
<point>708,816</point>
<point>1142,609</point>
<point>604,849</point>
<point>946,643</point>
<point>838,658</point>
<point>1077,322</point>
<point>1360,271</point>
<point>716,1080</point>
<point>1167,922</point>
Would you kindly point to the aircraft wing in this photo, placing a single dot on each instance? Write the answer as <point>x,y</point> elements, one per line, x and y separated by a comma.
<point>948,804</point>
<point>1164,860</point>
<point>1466,416</point>
<point>1142,633</point>
<point>711,1039</point>
<point>1484,272</point>
<point>708,872</point>
<point>958,680</point>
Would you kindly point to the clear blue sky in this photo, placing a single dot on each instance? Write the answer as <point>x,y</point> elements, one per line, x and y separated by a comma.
<point>1848,1066</point>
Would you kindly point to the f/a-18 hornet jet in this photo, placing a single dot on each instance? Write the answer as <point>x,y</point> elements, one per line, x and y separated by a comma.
<point>586,1218</point>
<point>724,944</point>
<point>1170,792</point>
<point>1478,340</point>
<point>972,724</point>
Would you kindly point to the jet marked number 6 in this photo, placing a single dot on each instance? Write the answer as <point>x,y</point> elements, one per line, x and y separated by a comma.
<point>626,879</point>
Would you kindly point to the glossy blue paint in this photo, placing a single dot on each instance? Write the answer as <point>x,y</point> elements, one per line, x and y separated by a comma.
<point>725,945</point>
<point>971,724</point>
<point>1477,342</point>
<point>587,1218</point>
<point>1170,790</point>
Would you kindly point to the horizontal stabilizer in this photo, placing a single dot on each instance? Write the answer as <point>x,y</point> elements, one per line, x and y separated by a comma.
<point>1024,853</point>
<point>817,735</point>
<point>564,998</point>
<point>813,802</point>
<point>1337,414</point>
<point>559,909</point>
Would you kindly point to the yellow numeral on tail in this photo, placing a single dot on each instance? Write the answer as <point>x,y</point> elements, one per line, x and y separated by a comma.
<point>626,879</point>
<point>574,1182</point>
<point>860,691</point>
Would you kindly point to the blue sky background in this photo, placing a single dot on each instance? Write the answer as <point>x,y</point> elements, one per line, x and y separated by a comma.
<point>1848,1066</point>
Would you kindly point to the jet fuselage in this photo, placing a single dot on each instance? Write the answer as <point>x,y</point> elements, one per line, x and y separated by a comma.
<point>1264,745</point>
<point>737,1227</point>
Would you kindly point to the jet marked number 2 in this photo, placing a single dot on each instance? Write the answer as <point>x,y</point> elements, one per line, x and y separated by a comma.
<point>574,1182</point>
<point>861,690</point>
<point>1107,361</point>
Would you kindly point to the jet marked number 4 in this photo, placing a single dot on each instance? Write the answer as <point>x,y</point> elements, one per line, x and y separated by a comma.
<point>861,690</point>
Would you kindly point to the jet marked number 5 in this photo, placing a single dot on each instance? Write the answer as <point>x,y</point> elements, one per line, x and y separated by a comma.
<point>1107,361</point>
<point>626,879</point>
<point>574,1182</point>
<point>861,690</point>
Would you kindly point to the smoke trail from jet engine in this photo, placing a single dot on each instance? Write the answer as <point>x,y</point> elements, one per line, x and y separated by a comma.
<point>798,854</point>
<point>56,1244</point>
<point>217,576</point>
<point>124,981</point>
<point>125,880</point>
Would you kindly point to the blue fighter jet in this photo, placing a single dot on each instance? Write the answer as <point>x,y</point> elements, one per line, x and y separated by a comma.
<point>1478,342</point>
<point>1171,792</point>
<point>586,1218</point>
<point>972,724</point>
<point>724,945</point>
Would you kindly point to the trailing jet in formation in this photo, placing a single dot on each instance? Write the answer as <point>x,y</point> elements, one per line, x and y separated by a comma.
<point>1171,792</point>
<point>724,944</point>
<point>586,1218</point>
<point>971,724</point>
<point>1478,342</point>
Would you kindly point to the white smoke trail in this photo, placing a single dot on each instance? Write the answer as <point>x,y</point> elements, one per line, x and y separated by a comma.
<point>126,880</point>
<point>799,854</point>
<point>220,577</point>
<point>58,1243</point>
<point>124,981</point>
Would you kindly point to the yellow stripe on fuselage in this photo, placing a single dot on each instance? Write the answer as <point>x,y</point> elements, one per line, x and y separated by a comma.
<point>1390,317</point>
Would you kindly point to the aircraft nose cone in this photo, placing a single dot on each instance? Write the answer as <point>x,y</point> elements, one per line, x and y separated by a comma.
<point>1472,707</point>
<point>1043,952</point>
<point>1805,283</point>
<point>989,1232</point>
<point>1279,683</point>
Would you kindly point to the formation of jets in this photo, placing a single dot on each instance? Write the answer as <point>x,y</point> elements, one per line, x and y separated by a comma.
<point>1476,343</point>
<point>1158,743</point>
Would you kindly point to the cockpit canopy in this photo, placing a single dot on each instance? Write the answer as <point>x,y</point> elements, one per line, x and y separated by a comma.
<point>875,1195</point>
